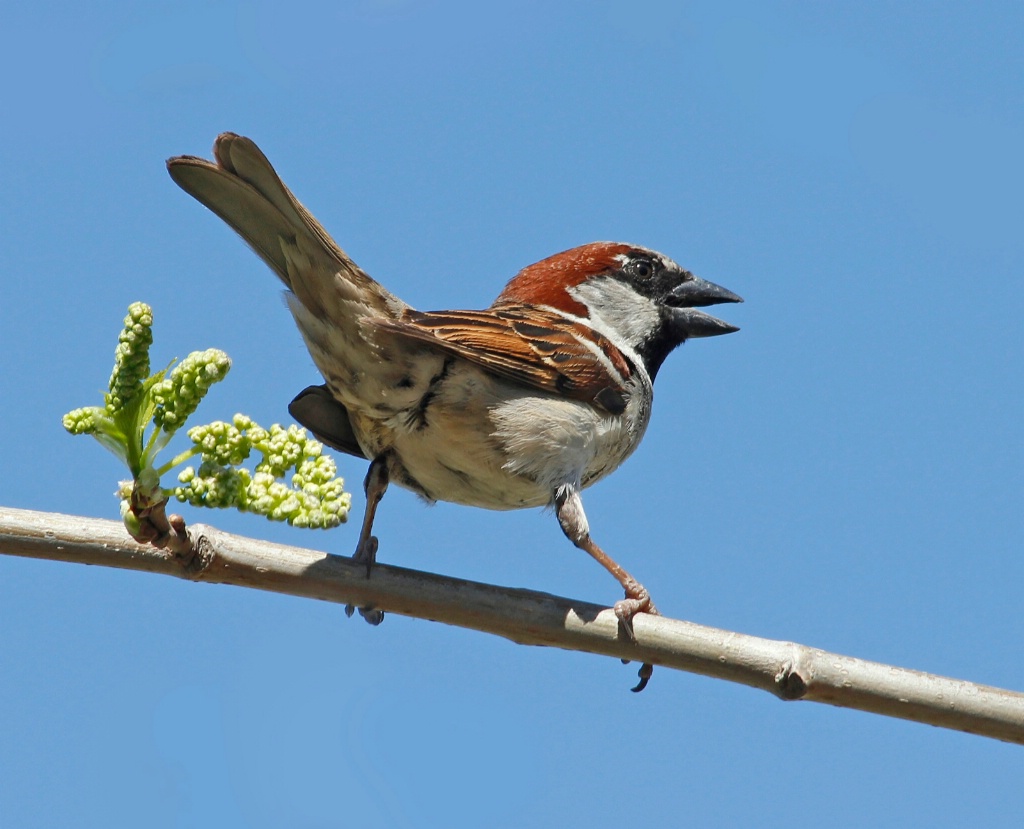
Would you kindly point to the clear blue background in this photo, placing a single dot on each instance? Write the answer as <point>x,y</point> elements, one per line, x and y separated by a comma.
<point>844,472</point>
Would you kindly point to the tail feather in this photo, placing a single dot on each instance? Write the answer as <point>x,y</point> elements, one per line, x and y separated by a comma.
<point>243,188</point>
<point>240,156</point>
<point>239,204</point>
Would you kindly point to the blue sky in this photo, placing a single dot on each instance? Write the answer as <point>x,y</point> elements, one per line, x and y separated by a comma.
<point>844,472</point>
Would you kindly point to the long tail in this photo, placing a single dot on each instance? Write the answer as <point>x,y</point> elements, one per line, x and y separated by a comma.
<point>243,188</point>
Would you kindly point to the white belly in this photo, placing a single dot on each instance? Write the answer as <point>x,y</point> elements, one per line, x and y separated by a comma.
<point>490,444</point>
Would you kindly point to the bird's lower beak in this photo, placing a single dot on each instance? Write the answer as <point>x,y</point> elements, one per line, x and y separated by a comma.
<point>690,323</point>
<point>695,293</point>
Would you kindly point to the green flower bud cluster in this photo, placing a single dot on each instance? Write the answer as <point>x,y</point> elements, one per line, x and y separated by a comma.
<point>224,444</point>
<point>315,497</point>
<point>131,357</point>
<point>137,399</point>
<point>142,412</point>
<point>178,395</point>
<point>81,421</point>
<point>216,487</point>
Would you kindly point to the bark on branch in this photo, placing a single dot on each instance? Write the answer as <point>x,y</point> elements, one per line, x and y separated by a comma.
<point>788,670</point>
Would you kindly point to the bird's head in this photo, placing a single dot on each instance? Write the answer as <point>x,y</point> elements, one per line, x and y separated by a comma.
<point>637,297</point>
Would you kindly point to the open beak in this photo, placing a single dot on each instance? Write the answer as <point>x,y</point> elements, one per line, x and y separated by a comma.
<point>695,293</point>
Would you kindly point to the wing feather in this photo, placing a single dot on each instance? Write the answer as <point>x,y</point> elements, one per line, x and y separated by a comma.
<point>536,347</point>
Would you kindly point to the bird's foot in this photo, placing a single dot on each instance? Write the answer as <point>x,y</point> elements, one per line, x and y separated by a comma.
<point>372,615</point>
<point>366,553</point>
<point>637,600</point>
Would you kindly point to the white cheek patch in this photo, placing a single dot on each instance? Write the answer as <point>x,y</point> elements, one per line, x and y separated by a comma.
<point>627,317</point>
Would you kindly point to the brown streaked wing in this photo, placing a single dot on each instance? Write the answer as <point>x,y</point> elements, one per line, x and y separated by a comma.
<point>535,347</point>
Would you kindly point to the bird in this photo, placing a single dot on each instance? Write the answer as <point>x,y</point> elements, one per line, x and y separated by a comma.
<point>522,404</point>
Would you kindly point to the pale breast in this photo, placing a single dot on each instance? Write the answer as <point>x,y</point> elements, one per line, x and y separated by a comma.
<point>484,442</point>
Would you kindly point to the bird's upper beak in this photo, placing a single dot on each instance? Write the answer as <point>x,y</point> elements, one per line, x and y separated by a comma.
<point>695,293</point>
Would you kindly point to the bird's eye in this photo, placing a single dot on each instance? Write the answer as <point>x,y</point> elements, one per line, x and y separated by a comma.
<point>642,268</point>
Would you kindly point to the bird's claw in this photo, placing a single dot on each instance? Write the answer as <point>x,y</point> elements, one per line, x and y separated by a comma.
<point>645,672</point>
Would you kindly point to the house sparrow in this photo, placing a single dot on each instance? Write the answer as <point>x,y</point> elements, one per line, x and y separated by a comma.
<point>523,404</point>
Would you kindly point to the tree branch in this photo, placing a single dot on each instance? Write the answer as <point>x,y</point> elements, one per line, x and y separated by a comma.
<point>788,670</point>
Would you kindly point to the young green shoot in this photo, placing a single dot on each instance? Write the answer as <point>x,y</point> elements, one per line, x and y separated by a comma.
<point>293,481</point>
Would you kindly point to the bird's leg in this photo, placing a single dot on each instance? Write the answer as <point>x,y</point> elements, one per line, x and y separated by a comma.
<point>374,485</point>
<point>573,521</point>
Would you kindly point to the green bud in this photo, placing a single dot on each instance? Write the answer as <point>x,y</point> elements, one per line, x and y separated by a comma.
<point>131,357</point>
<point>82,421</point>
<point>178,395</point>
<point>221,443</point>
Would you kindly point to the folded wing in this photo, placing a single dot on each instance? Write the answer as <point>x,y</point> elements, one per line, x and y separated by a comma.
<point>536,348</point>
